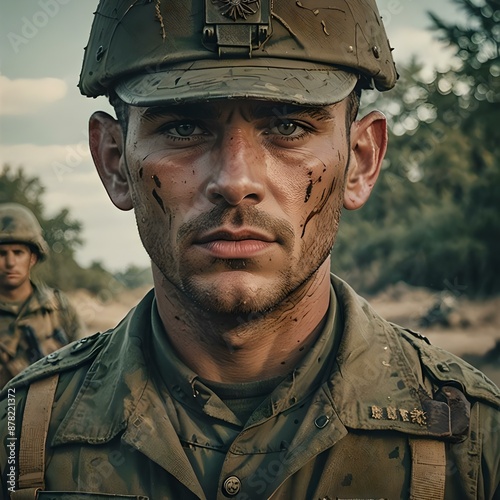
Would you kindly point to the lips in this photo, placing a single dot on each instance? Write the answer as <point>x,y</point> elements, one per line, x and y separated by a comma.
<point>11,275</point>
<point>235,244</point>
<point>237,235</point>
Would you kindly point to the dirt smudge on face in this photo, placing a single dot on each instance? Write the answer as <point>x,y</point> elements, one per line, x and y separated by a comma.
<point>320,207</point>
<point>309,191</point>
<point>310,187</point>
<point>157,181</point>
<point>158,199</point>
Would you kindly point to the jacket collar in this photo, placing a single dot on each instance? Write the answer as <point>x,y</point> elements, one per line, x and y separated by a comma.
<point>118,394</point>
<point>186,386</point>
<point>374,383</point>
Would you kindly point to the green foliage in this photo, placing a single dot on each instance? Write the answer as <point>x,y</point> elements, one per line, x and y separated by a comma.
<point>434,217</point>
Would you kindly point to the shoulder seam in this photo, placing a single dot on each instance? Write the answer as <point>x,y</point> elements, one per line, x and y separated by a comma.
<point>449,368</point>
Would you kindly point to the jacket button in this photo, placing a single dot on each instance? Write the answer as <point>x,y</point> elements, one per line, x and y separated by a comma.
<point>322,422</point>
<point>79,345</point>
<point>231,486</point>
<point>52,358</point>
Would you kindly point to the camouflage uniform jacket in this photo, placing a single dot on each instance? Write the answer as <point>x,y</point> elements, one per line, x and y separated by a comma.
<point>43,324</point>
<point>348,437</point>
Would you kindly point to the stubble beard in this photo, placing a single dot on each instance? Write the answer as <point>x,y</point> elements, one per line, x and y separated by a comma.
<point>286,286</point>
<point>282,290</point>
<point>211,297</point>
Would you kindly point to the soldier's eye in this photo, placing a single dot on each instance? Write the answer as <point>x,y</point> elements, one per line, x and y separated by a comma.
<point>286,128</point>
<point>185,129</point>
<point>182,129</point>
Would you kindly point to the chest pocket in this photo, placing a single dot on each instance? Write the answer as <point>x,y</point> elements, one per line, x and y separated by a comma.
<point>81,495</point>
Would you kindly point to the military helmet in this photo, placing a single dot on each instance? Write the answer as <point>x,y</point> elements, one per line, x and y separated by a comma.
<point>19,225</point>
<point>313,52</point>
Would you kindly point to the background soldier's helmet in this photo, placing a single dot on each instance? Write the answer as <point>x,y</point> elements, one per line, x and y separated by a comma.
<point>19,225</point>
<point>171,51</point>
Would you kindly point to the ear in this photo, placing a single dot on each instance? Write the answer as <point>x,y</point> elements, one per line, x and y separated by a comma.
<point>368,147</point>
<point>33,259</point>
<point>107,148</point>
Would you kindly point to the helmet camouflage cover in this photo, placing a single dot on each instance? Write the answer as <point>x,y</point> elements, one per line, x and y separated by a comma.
<point>19,225</point>
<point>170,51</point>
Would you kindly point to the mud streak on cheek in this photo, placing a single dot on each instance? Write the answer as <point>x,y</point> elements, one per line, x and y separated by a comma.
<point>319,208</point>
<point>156,196</point>
<point>157,181</point>
<point>310,187</point>
<point>308,191</point>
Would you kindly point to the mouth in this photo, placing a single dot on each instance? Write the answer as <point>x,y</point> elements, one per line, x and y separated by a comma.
<point>235,244</point>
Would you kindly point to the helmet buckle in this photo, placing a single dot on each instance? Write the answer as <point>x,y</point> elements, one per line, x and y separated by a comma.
<point>233,28</point>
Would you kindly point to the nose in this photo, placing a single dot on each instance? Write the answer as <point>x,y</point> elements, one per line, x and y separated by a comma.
<point>10,260</point>
<point>237,171</point>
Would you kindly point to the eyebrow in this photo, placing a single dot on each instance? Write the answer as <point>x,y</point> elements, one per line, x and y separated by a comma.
<point>280,110</point>
<point>182,110</point>
<point>256,111</point>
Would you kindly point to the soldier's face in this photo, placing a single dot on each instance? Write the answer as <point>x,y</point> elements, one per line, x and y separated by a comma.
<point>237,203</point>
<point>16,261</point>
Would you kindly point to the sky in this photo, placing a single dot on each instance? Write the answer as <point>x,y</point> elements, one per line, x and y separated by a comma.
<point>43,117</point>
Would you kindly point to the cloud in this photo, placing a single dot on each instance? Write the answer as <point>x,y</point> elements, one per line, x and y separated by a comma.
<point>432,53</point>
<point>44,161</point>
<point>27,96</point>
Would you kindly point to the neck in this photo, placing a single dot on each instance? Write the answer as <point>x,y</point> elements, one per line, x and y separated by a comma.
<point>224,348</point>
<point>19,294</point>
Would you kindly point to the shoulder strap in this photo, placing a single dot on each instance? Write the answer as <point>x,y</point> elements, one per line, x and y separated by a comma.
<point>34,431</point>
<point>428,470</point>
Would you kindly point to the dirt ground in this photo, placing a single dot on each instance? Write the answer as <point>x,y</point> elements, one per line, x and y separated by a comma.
<point>473,332</point>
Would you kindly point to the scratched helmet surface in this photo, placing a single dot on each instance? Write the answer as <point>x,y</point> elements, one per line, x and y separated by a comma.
<point>19,225</point>
<point>170,51</point>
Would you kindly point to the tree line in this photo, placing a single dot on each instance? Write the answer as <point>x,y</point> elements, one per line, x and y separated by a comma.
<point>434,217</point>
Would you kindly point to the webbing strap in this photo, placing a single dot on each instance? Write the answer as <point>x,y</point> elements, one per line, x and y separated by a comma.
<point>34,430</point>
<point>26,494</point>
<point>428,474</point>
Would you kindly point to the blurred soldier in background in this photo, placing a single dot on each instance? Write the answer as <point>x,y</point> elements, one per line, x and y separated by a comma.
<point>443,311</point>
<point>34,320</point>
